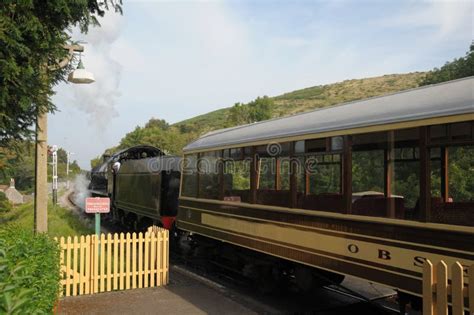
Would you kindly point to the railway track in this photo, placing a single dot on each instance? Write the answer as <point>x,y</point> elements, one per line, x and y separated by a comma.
<point>329,299</point>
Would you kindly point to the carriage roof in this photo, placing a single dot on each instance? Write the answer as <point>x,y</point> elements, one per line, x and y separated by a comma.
<point>451,98</point>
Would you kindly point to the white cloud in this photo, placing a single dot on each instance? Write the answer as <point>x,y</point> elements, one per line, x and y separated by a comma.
<point>449,18</point>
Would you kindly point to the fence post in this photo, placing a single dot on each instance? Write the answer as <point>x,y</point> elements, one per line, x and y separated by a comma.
<point>146,243</point>
<point>159,258</point>
<point>68,266</point>
<point>127,262</point>
<point>152,258</point>
<point>428,281</point>
<point>109,261</point>
<point>457,288</point>
<point>167,255</point>
<point>122,258</point>
<point>102,255</point>
<point>134,260</point>
<point>96,263</point>
<point>81,264</point>
<point>61,262</point>
<point>116,263</point>
<point>140,260</point>
<point>74,263</point>
<point>470,273</point>
<point>442,288</point>
<point>88,265</point>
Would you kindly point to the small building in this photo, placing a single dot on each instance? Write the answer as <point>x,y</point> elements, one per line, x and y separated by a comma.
<point>13,195</point>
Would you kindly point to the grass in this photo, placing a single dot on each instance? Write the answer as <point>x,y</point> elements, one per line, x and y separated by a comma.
<point>311,98</point>
<point>61,221</point>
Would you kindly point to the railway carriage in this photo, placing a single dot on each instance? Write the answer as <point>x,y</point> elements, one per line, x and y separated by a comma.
<point>370,188</point>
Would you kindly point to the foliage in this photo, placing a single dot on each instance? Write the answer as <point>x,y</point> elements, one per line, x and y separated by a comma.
<point>19,164</point>
<point>96,161</point>
<point>157,123</point>
<point>458,68</point>
<point>168,139</point>
<point>257,110</point>
<point>61,221</point>
<point>32,38</point>
<point>29,272</point>
<point>5,205</point>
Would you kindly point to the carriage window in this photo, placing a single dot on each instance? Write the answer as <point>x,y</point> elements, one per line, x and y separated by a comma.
<point>324,174</point>
<point>385,173</point>
<point>367,173</point>
<point>461,173</point>
<point>209,175</point>
<point>189,186</point>
<point>406,176</point>
<point>273,181</point>
<point>237,180</point>
<point>454,199</point>
<point>284,165</point>
<point>319,182</point>
<point>267,171</point>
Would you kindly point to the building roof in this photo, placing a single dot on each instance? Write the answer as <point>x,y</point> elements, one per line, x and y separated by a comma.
<point>444,99</point>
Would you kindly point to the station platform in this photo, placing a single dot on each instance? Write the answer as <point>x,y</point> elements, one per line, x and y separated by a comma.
<point>183,295</point>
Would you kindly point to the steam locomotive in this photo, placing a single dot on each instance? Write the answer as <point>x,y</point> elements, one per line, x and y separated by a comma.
<point>143,185</point>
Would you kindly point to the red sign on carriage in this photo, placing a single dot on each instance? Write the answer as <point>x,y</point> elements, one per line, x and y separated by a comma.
<point>97,205</point>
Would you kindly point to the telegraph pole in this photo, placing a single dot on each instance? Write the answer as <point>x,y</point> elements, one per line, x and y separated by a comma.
<point>41,154</point>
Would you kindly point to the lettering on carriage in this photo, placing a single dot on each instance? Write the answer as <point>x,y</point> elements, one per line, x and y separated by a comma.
<point>384,254</point>
<point>418,261</point>
<point>353,248</point>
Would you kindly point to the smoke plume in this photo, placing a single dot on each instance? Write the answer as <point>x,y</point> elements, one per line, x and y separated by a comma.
<point>99,98</point>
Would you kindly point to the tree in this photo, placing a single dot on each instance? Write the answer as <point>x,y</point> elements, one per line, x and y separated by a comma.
<point>32,38</point>
<point>260,109</point>
<point>238,115</point>
<point>158,123</point>
<point>257,110</point>
<point>456,69</point>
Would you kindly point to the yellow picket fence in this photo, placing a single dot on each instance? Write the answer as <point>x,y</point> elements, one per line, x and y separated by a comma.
<point>438,292</point>
<point>92,264</point>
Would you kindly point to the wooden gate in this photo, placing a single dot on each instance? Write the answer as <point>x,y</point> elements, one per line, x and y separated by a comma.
<point>92,264</point>
<point>437,291</point>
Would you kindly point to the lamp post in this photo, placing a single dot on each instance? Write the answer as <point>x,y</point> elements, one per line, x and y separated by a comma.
<point>41,154</point>
<point>55,174</point>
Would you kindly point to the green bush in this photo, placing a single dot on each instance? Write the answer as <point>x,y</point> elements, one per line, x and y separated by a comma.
<point>29,272</point>
<point>5,205</point>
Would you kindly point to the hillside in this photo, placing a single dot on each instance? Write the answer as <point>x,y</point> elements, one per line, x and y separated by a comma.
<point>311,98</point>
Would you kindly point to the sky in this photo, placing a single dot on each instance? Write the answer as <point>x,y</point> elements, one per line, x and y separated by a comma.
<point>174,60</point>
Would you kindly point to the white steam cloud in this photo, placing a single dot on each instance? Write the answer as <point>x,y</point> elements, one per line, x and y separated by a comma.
<point>98,99</point>
<point>81,191</point>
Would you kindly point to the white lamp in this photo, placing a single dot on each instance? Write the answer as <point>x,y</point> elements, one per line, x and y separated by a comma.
<point>81,75</point>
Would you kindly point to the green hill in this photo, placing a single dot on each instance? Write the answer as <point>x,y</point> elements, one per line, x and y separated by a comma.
<point>312,98</point>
